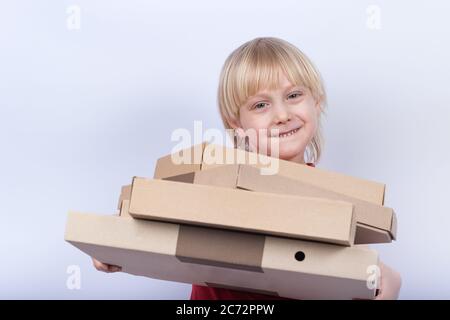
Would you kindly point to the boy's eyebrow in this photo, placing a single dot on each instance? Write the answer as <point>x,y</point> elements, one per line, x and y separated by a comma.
<point>289,87</point>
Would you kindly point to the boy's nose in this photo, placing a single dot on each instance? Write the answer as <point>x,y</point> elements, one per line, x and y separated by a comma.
<point>281,113</point>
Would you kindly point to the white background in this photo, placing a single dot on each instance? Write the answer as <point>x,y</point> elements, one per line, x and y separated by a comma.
<point>82,111</point>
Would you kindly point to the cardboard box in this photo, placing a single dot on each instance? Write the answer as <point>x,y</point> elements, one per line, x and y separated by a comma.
<point>125,208</point>
<point>205,156</point>
<point>375,223</point>
<point>125,194</point>
<point>305,218</point>
<point>223,258</point>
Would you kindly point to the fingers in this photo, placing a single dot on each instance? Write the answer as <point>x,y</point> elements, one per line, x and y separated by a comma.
<point>112,268</point>
<point>390,285</point>
<point>105,267</point>
<point>380,296</point>
<point>100,266</point>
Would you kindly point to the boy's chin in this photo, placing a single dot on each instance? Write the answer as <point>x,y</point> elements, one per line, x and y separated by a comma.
<point>288,151</point>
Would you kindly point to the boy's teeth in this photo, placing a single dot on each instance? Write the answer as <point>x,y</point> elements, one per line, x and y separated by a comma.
<point>288,134</point>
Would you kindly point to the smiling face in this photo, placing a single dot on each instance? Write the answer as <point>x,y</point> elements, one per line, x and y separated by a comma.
<point>288,108</point>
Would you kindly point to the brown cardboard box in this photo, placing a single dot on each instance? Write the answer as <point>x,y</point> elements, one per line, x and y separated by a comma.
<point>125,208</point>
<point>375,223</point>
<point>316,219</point>
<point>223,258</point>
<point>125,194</point>
<point>205,156</point>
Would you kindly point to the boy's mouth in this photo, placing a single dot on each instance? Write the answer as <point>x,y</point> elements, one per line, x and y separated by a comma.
<point>286,133</point>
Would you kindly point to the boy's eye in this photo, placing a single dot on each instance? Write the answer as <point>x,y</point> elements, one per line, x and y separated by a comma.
<point>259,105</point>
<point>295,95</point>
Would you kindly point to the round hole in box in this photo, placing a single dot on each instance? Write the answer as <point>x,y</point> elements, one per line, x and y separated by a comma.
<point>299,256</point>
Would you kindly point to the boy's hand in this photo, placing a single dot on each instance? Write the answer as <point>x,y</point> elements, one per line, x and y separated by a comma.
<point>390,283</point>
<point>105,267</point>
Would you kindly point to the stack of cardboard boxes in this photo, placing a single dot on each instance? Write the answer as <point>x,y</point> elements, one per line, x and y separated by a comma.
<point>227,218</point>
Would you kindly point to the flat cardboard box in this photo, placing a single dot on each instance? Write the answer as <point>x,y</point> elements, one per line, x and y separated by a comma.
<point>375,223</point>
<point>204,156</point>
<point>222,258</point>
<point>315,219</point>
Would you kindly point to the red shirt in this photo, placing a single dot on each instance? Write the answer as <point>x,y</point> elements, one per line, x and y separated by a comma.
<point>210,293</point>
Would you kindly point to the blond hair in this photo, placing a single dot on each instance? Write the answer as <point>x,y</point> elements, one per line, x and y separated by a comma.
<point>256,65</point>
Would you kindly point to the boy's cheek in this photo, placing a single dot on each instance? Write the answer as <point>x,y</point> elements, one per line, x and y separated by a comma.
<point>307,111</point>
<point>258,142</point>
<point>267,145</point>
